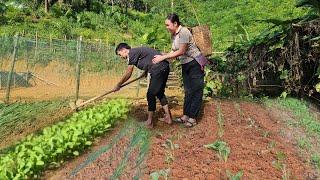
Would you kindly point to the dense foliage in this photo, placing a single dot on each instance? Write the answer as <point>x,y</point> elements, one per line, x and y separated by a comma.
<point>140,21</point>
<point>283,58</point>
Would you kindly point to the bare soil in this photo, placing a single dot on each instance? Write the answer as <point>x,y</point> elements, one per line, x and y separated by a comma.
<point>258,148</point>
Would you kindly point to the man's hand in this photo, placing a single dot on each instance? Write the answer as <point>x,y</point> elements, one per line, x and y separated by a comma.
<point>157,58</point>
<point>116,88</point>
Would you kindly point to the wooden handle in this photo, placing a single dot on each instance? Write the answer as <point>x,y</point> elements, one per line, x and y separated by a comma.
<point>106,93</point>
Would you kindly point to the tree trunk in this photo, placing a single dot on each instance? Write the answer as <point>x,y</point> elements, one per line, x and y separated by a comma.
<point>146,7</point>
<point>60,2</point>
<point>46,6</point>
<point>112,5</point>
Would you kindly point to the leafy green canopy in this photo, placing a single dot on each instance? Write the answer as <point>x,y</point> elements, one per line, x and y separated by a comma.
<point>141,21</point>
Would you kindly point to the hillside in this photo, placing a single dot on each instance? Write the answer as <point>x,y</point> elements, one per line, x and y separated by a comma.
<point>122,20</point>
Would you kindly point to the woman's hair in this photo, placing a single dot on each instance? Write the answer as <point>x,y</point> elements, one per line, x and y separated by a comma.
<point>174,18</point>
<point>122,46</point>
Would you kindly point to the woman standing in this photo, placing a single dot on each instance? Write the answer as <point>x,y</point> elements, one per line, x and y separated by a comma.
<point>185,49</point>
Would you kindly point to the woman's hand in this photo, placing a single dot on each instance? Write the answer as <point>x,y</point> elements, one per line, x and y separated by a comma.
<point>173,54</point>
<point>157,58</point>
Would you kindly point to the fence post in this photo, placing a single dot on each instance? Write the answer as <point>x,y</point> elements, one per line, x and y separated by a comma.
<point>14,80</point>
<point>14,57</point>
<point>78,67</point>
<point>36,48</point>
<point>50,43</point>
<point>65,44</point>
<point>100,45</point>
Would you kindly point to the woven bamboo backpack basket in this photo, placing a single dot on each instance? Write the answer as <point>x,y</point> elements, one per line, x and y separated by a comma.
<point>202,37</point>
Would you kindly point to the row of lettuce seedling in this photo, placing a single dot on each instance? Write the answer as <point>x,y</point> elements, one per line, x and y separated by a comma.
<point>61,141</point>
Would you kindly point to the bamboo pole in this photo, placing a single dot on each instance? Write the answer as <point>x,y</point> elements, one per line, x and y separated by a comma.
<point>50,41</point>
<point>78,67</point>
<point>65,44</point>
<point>14,58</point>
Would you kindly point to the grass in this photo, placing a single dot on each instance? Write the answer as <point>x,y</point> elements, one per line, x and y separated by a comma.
<point>302,118</point>
<point>300,110</point>
<point>304,143</point>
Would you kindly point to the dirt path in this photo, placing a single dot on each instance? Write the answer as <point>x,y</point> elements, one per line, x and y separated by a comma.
<point>133,152</point>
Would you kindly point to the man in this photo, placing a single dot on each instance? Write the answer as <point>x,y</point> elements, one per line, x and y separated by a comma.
<point>141,57</point>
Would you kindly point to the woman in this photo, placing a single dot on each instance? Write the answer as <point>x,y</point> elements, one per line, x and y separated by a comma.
<point>141,57</point>
<point>185,49</point>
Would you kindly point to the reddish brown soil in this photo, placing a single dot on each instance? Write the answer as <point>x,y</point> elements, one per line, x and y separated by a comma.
<point>249,148</point>
<point>252,134</point>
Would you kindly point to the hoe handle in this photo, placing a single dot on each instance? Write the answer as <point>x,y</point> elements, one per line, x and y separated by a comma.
<point>106,93</point>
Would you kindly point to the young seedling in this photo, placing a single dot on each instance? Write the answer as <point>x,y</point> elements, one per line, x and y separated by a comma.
<point>237,106</point>
<point>303,143</point>
<point>280,165</point>
<point>170,147</point>
<point>285,173</point>
<point>316,160</point>
<point>266,134</point>
<point>236,176</point>
<point>169,157</point>
<point>221,147</point>
<point>220,121</point>
<point>272,144</point>
<point>282,133</point>
<point>164,173</point>
<point>251,122</point>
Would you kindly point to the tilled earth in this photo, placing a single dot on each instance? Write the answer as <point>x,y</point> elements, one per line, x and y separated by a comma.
<point>130,151</point>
